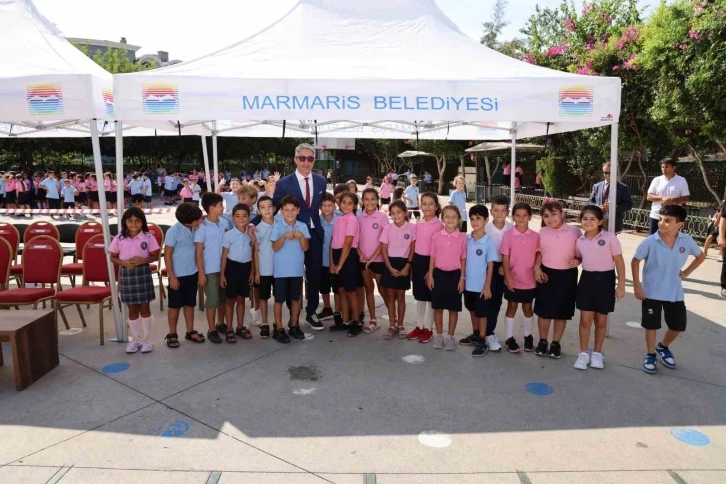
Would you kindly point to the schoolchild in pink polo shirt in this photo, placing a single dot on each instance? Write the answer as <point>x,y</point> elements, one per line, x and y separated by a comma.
<point>133,250</point>
<point>519,250</point>
<point>425,230</point>
<point>446,276</point>
<point>601,254</point>
<point>397,246</point>
<point>386,189</point>
<point>344,267</point>
<point>371,223</point>
<point>555,271</point>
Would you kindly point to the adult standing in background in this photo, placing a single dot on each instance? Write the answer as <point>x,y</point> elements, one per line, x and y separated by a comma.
<point>667,189</point>
<point>307,187</point>
<point>600,196</point>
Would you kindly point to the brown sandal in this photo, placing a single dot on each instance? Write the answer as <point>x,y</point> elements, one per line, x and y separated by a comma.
<point>195,336</point>
<point>390,333</point>
<point>243,333</point>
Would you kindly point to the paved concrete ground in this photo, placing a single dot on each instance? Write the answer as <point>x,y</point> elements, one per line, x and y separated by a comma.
<point>344,410</point>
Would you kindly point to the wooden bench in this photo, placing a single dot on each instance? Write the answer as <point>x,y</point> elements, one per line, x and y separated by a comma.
<point>33,337</point>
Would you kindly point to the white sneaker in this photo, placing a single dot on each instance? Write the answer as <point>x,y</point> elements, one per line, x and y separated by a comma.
<point>133,346</point>
<point>493,343</point>
<point>438,341</point>
<point>147,346</point>
<point>254,316</point>
<point>596,361</point>
<point>450,343</point>
<point>720,258</point>
<point>582,361</point>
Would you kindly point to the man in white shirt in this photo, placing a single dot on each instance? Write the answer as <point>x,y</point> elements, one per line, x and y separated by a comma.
<point>668,189</point>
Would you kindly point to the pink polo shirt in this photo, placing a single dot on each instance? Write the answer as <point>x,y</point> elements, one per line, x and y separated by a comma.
<point>398,239</point>
<point>10,185</point>
<point>107,185</point>
<point>140,246</point>
<point>92,185</point>
<point>186,193</point>
<point>522,250</point>
<point>558,246</point>
<point>343,227</point>
<point>597,254</point>
<point>386,190</point>
<point>424,232</point>
<point>448,249</point>
<point>370,227</point>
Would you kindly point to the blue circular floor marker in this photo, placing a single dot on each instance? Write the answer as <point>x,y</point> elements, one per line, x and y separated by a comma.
<point>175,429</point>
<point>115,368</point>
<point>539,389</point>
<point>690,436</point>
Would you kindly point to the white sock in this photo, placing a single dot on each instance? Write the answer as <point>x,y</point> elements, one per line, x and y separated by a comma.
<point>146,323</point>
<point>509,327</point>
<point>134,325</point>
<point>429,317</point>
<point>421,314</point>
<point>528,326</point>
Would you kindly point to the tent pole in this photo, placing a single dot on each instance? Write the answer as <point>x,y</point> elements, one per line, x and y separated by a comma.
<point>206,164</point>
<point>96,144</point>
<point>120,204</point>
<point>215,156</point>
<point>613,189</point>
<point>513,170</point>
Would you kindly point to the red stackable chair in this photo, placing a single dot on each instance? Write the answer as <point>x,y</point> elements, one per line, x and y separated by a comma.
<point>6,260</point>
<point>10,233</point>
<point>85,232</point>
<point>36,229</point>
<point>158,234</point>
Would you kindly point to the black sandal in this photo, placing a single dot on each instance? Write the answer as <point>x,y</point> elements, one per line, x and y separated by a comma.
<point>243,333</point>
<point>195,336</point>
<point>172,340</point>
<point>230,337</point>
<point>214,337</point>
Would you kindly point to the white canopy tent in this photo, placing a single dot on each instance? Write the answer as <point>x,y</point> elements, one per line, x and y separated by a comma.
<point>325,65</point>
<point>46,84</point>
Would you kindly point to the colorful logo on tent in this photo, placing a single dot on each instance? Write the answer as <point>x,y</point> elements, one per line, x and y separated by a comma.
<point>108,102</point>
<point>160,98</point>
<point>576,101</point>
<point>45,99</point>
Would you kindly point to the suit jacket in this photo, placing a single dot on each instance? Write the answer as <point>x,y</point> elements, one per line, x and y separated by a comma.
<point>288,185</point>
<point>622,201</point>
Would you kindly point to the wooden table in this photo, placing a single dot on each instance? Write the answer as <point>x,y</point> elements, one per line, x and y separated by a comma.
<point>33,336</point>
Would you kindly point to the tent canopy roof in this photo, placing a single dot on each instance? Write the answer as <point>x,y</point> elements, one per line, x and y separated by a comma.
<point>503,146</point>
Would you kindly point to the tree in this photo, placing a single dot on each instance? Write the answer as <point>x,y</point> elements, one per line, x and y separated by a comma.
<point>115,61</point>
<point>385,151</point>
<point>440,150</point>
<point>493,28</point>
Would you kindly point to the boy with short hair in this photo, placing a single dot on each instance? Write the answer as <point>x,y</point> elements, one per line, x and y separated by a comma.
<point>411,197</point>
<point>665,252</point>
<point>481,253</point>
<point>289,241</point>
<point>208,242</point>
<point>181,265</point>
<point>247,195</point>
<point>264,276</point>
<point>135,190</point>
<point>328,216</point>
<point>50,185</point>
<point>69,193</point>
<point>146,189</point>
<point>496,229</point>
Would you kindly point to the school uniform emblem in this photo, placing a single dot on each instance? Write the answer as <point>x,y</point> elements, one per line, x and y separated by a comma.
<point>601,243</point>
<point>406,236</point>
<point>682,250</point>
<point>375,226</point>
<point>144,245</point>
<point>479,252</point>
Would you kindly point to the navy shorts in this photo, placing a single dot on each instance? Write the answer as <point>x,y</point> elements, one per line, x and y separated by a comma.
<point>474,302</point>
<point>237,275</point>
<point>674,313</point>
<point>288,287</point>
<point>186,295</point>
<point>264,288</point>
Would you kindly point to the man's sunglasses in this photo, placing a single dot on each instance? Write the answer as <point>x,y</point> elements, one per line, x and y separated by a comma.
<point>309,159</point>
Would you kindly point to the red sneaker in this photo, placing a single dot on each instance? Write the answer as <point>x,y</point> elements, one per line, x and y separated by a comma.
<point>415,333</point>
<point>426,336</point>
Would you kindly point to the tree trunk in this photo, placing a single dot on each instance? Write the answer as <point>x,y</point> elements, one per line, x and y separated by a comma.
<point>441,165</point>
<point>704,174</point>
<point>721,146</point>
<point>627,168</point>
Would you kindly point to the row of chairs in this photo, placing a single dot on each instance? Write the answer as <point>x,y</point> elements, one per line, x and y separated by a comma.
<point>42,264</point>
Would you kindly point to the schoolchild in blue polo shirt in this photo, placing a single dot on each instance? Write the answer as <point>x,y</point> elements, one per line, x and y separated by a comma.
<point>135,190</point>
<point>208,241</point>
<point>264,277</point>
<point>327,218</point>
<point>481,254</point>
<point>290,240</point>
<point>146,189</point>
<point>181,264</point>
<point>665,252</point>
<point>238,270</point>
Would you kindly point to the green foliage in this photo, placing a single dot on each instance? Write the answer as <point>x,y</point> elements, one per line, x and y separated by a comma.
<point>555,175</point>
<point>493,28</point>
<point>116,61</point>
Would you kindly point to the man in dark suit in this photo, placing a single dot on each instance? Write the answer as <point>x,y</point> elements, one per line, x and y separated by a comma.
<point>307,187</point>
<point>600,196</point>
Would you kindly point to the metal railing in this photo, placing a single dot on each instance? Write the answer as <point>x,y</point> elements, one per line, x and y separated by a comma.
<point>635,219</point>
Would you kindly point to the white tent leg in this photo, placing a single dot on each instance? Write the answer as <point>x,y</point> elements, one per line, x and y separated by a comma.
<point>613,188</point>
<point>106,234</point>
<point>215,158</point>
<point>513,169</point>
<point>206,163</point>
<point>120,204</point>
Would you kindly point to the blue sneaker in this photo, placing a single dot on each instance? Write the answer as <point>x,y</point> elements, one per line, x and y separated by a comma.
<point>665,356</point>
<point>649,364</point>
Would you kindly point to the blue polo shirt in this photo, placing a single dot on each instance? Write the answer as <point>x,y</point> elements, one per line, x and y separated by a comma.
<point>661,272</point>
<point>210,235</point>
<point>265,254</point>
<point>135,187</point>
<point>145,188</point>
<point>68,194</point>
<point>411,192</point>
<point>183,258</point>
<point>328,230</point>
<point>239,245</point>
<point>479,253</point>
<point>170,183</point>
<point>52,186</point>
<point>458,199</point>
<point>290,259</point>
